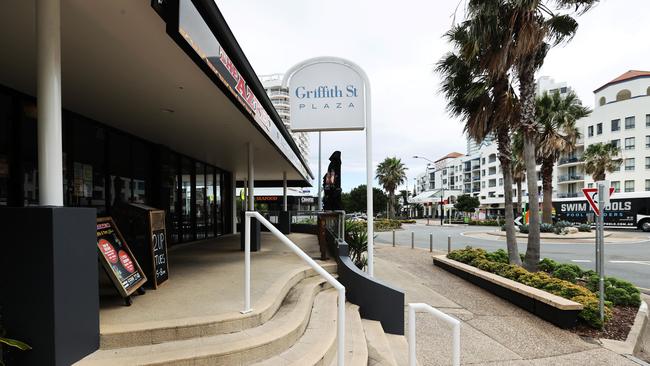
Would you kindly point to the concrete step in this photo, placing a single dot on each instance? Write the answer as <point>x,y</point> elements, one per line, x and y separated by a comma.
<point>400,347</point>
<point>305,302</point>
<point>356,349</point>
<point>317,346</point>
<point>380,351</point>
<point>141,334</point>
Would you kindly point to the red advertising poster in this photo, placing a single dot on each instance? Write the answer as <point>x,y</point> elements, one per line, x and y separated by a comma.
<point>117,258</point>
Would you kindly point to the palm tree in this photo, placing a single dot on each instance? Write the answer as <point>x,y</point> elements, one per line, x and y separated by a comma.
<point>535,27</point>
<point>518,169</point>
<point>556,116</point>
<point>601,159</point>
<point>391,173</point>
<point>477,86</point>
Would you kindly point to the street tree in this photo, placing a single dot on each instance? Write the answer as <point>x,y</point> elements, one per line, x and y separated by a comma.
<point>467,204</point>
<point>391,173</point>
<point>556,117</point>
<point>601,159</point>
<point>355,200</point>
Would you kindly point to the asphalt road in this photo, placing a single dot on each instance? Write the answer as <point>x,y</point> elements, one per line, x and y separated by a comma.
<point>630,261</point>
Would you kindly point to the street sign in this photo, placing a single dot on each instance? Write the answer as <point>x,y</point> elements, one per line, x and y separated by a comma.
<point>592,197</point>
<point>518,221</point>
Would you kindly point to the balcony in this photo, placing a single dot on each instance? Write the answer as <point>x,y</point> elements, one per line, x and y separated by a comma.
<point>475,178</point>
<point>568,195</point>
<point>570,160</point>
<point>571,177</point>
<point>476,167</point>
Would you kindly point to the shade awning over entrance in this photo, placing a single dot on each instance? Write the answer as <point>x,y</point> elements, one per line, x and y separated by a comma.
<point>121,67</point>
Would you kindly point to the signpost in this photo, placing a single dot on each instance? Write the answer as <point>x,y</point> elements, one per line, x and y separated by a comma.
<point>333,94</point>
<point>598,197</point>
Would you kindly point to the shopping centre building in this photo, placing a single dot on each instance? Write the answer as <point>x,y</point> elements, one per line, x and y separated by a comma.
<point>103,102</point>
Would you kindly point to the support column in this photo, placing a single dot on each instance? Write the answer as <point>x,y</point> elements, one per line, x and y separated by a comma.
<point>233,195</point>
<point>284,218</point>
<point>50,146</point>
<point>255,227</point>
<point>251,179</point>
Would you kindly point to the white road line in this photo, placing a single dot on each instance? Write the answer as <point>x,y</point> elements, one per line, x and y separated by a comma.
<point>644,263</point>
<point>581,260</point>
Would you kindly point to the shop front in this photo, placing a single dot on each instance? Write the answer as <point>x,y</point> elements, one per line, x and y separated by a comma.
<point>111,103</point>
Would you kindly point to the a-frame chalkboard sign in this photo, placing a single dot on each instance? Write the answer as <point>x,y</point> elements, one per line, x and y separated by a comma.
<point>116,257</point>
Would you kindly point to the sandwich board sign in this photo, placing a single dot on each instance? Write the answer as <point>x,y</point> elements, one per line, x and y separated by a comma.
<point>592,197</point>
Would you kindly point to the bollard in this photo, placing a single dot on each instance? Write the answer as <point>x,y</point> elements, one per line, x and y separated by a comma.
<point>393,238</point>
<point>430,242</point>
<point>449,244</point>
<point>412,240</point>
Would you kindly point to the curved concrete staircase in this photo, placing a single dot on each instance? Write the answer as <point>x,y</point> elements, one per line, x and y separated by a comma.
<point>295,325</point>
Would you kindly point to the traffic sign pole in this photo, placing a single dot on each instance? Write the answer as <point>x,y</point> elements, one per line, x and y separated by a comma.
<point>602,193</point>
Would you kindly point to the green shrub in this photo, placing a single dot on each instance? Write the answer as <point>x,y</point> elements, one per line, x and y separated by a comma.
<point>408,221</point>
<point>523,229</point>
<point>484,222</point>
<point>493,262</point>
<point>584,228</point>
<point>547,265</point>
<point>567,272</point>
<point>546,228</point>
<point>617,291</point>
<point>500,256</point>
<point>562,224</point>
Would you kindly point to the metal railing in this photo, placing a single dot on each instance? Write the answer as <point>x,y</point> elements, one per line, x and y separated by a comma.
<point>570,177</point>
<point>315,266</point>
<point>570,159</point>
<point>455,323</point>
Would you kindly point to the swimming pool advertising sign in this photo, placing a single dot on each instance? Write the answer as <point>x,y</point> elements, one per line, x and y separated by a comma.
<point>327,94</point>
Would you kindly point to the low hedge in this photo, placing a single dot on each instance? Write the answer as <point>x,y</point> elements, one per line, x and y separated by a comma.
<point>383,224</point>
<point>483,260</point>
<point>484,222</point>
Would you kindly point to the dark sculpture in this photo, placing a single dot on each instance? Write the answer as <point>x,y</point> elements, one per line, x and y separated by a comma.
<point>332,184</point>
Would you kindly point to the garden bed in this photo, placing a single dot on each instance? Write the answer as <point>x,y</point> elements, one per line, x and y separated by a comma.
<point>552,308</point>
<point>567,281</point>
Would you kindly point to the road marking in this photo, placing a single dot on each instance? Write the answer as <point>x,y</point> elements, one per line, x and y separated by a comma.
<point>645,263</point>
<point>581,260</point>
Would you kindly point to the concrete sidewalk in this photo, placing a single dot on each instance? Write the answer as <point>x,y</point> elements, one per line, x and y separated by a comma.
<point>493,331</point>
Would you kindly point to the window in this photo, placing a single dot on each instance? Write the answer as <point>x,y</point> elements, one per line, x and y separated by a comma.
<point>599,129</point>
<point>616,125</point>
<point>591,185</point>
<point>483,160</point>
<point>616,143</point>
<point>623,95</point>
<point>617,186</point>
<point>500,181</point>
<point>629,186</point>
<point>647,185</point>
<point>647,162</point>
<point>647,141</point>
<point>493,158</point>
<point>482,184</point>
<point>629,164</point>
<point>602,101</point>
<point>492,183</point>
<point>493,170</point>
<point>590,131</point>
<point>647,120</point>
<point>629,123</point>
<point>563,90</point>
<point>629,143</point>
<point>483,173</point>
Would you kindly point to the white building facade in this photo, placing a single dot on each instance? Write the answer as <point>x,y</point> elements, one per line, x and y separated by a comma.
<point>280,98</point>
<point>621,116</point>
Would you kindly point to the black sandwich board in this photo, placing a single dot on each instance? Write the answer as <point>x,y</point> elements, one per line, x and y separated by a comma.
<point>116,257</point>
<point>144,228</point>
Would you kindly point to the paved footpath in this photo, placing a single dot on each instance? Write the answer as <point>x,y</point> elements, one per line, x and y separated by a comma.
<point>493,331</point>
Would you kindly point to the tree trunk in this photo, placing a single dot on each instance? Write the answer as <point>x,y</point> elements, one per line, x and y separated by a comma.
<point>519,198</point>
<point>505,155</point>
<point>547,187</point>
<point>527,103</point>
<point>391,196</point>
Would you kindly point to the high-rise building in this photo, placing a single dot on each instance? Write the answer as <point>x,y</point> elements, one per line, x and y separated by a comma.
<point>280,98</point>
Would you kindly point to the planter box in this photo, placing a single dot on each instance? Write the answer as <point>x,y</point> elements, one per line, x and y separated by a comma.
<point>552,308</point>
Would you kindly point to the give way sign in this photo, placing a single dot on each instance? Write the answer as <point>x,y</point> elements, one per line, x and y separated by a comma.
<point>592,197</point>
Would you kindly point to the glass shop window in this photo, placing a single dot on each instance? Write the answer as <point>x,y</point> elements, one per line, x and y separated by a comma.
<point>141,160</point>
<point>28,167</point>
<point>86,179</point>
<point>5,129</point>
<point>211,202</point>
<point>119,167</point>
<point>186,200</point>
<point>199,201</point>
<point>169,192</point>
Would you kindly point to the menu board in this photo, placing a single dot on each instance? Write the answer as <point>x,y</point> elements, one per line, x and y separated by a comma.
<point>159,247</point>
<point>115,255</point>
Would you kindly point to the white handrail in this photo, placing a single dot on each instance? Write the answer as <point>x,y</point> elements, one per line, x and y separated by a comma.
<point>440,315</point>
<point>340,337</point>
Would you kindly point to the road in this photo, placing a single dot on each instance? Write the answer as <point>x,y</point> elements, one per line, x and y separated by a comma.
<point>629,261</point>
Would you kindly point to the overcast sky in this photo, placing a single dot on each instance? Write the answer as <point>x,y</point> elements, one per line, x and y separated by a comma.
<point>398,44</point>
